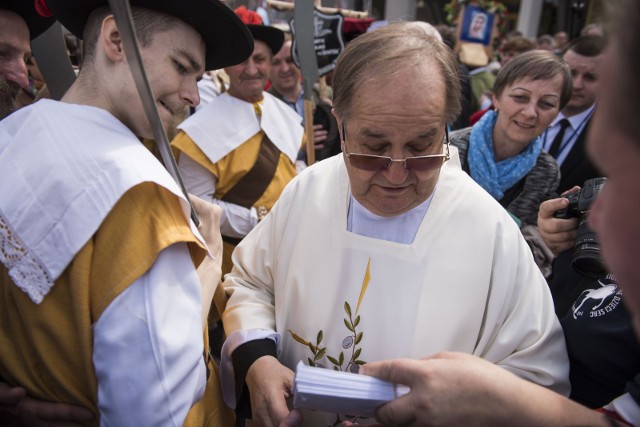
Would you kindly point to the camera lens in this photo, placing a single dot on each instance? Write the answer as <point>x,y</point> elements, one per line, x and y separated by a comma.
<point>587,259</point>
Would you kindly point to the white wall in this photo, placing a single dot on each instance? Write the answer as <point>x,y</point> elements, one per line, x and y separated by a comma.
<point>529,17</point>
<point>396,10</point>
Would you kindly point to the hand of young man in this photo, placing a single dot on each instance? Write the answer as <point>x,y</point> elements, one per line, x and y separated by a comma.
<point>210,270</point>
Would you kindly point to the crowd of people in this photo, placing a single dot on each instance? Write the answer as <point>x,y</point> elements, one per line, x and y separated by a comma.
<point>417,251</point>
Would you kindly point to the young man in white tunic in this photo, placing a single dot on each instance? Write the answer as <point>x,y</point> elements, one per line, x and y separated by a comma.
<point>101,305</point>
<point>389,250</point>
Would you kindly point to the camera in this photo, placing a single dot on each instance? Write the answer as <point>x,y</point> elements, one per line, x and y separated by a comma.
<point>586,259</point>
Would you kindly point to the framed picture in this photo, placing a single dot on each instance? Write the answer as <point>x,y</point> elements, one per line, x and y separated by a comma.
<point>477,25</point>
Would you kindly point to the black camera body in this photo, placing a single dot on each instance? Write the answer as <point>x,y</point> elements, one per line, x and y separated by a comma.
<point>587,259</point>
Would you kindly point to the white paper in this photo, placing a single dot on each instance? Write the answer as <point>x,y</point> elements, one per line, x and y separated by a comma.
<point>339,392</point>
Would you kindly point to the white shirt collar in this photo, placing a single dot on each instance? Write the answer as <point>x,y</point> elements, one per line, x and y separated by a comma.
<point>576,119</point>
<point>398,228</point>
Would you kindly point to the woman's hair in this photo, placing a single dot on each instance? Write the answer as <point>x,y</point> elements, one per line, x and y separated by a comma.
<point>535,65</point>
<point>147,22</point>
<point>386,51</point>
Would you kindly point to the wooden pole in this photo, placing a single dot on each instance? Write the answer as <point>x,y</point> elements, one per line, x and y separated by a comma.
<point>308,129</point>
<point>323,89</point>
<point>308,104</point>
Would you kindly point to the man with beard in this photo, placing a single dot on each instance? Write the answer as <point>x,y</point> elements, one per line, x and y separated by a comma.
<point>18,20</point>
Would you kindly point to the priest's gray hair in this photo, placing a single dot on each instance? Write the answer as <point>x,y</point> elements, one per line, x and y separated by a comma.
<point>428,29</point>
<point>381,53</point>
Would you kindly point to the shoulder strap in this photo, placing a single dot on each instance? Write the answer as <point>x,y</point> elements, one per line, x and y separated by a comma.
<point>252,186</point>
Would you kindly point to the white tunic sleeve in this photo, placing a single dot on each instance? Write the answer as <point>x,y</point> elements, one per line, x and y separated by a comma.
<point>148,346</point>
<point>236,220</point>
<point>521,331</point>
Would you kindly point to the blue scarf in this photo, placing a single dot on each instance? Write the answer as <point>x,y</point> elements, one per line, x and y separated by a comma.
<point>497,177</point>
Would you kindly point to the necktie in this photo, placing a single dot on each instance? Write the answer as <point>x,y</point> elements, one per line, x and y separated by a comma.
<point>557,141</point>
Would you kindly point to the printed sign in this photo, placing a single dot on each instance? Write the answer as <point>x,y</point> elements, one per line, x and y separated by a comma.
<point>328,40</point>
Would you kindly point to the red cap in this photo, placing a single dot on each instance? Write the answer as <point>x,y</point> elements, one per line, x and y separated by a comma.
<point>43,9</point>
<point>248,16</point>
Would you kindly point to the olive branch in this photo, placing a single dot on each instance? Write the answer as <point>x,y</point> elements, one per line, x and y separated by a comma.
<point>350,342</point>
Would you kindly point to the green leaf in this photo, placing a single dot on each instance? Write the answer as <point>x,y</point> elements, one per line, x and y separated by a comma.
<point>333,360</point>
<point>335,368</point>
<point>358,338</point>
<point>298,337</point>
<point>348,325</point>
<point>321,354</point>
<point>310,361</point>
<point>357,353</point>
<point>341,358</point>
<point>313,348</point>
<point>319,338</point>
<point>347,308</point>
<point>357,321</point>
<point>359,362</point>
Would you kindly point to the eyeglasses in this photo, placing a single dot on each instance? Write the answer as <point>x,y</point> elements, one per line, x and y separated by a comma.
<point>371,162</point>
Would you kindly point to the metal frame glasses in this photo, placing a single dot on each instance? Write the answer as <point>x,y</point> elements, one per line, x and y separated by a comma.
<point>371,162</point>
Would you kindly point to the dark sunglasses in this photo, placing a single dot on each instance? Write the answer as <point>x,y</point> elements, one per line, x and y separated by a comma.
<point>371,162</point>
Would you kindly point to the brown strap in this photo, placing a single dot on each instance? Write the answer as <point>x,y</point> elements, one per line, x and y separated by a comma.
<point>252,186</point>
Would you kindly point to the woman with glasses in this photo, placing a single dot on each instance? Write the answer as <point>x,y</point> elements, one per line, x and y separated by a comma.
<point>389,250</point>
<point>503,151</point>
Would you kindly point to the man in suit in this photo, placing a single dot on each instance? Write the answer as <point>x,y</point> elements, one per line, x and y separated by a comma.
<point>565,138</point>
<point>287,86</point>
<point>584,56</point>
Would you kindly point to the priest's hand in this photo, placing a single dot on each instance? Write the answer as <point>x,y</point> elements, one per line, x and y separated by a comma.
<point>270,384</point>
<point>210,270</point>
<point>16,408</point>
<point>558,234</point>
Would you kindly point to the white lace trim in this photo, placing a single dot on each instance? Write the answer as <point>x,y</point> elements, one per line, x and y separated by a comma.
<point>26,271</point>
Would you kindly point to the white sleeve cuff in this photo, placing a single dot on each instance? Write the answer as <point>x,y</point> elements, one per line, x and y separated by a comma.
<point>236,221</point>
